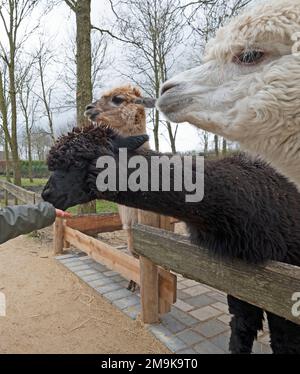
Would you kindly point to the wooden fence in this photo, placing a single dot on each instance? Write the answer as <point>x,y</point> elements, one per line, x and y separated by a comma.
<point>270,287</point>
<point>19,193</point>
<point>76,231</point>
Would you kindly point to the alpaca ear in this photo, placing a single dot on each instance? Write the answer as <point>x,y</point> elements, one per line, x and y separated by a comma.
<point>132,142</point>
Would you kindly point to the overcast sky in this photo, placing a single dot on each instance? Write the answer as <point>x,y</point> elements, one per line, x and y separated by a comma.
<point>59,26</point>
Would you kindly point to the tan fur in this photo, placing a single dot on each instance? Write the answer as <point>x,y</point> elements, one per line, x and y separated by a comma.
<point>129,119</point>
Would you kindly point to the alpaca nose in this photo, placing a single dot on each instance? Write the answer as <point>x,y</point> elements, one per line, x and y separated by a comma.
<point>46,194</point>
<point>90,107</point>
<point>167,87</point>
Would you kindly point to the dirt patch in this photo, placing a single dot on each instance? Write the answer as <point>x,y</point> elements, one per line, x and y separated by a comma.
<point>50,311</point>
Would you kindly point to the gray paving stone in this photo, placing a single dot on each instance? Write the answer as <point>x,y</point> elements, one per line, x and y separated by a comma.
<point>173,343</point>
<point>133,311</point>
<point>190,337</point>
<point>99,282</point>
<point>221,306</point>
<point>259,348</point>
<point>187,351</point>
<point>84,273</point>
<point>99,267</point>
<point>117,278</point>
<point>206,347</point>
<point>182,317</point>
<point>172,323</point>
<point>181,286</point>
<point>211,328</point>
<point>189,282</point>
<point>127,302</point>
<point>91,277</point>
<point>116,295</point>
<point>159,330</point>
<point>222,341</point>
<point>110,273</point>
<point>63,257</point>
<point>225,318</point>
<point>77,267</point>
<point>196,290</point>
<point>70,260</point>
<point>109,288</point>
<point>182,295</point>
<point>218,296</point>
<point>183,306</point>
<point>199,301</point>
<point>205,313</point>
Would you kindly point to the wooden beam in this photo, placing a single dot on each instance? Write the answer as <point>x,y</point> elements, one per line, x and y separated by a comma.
<point>269,287</point>
<point>101,252</point>
<point>20,193</point>
<point>149,291</point>
<point>94,223</point>
<point>59,227</point>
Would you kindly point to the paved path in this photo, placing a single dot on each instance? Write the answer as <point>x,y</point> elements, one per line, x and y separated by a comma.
<point>197,323</point>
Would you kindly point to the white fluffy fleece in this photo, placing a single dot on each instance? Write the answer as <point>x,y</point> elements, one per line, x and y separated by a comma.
<point>257,105</point>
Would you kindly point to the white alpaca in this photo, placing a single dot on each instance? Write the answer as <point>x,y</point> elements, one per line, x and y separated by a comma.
<point>248,89</point>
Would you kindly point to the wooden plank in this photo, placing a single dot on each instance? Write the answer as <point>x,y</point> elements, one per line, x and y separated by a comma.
<point>270,287</point>
<point>20,193</point>
<point>149,291</point>
<point>58,236</point>
<point>167,286</point>
<point>101,252</point>
<point>95,223</point>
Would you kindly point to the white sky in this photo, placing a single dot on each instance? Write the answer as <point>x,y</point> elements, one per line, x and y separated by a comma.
<point>59,25</point>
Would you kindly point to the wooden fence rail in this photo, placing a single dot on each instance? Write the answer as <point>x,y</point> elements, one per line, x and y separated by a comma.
<point>270,287</point>
<point>27,197</point>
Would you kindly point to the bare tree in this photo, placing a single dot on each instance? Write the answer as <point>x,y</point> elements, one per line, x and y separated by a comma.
<point>29,104</point>
<point>153,31</point>
<point>205,18</point>
<point>12,15</point>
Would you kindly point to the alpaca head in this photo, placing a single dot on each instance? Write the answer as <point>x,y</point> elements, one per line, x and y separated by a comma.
<point>122,108</point>
<point>73,157</point>
<point>249,83</point>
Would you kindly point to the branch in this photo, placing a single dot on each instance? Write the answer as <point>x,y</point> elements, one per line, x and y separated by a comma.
<point>72,4</point>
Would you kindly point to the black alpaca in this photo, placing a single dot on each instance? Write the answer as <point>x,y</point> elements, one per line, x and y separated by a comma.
<point>248,212</point>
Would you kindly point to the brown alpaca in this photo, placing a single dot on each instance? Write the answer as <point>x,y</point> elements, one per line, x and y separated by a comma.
<point>123,108</point>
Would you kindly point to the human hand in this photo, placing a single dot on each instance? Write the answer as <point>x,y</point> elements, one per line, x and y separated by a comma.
<point>62,214</point>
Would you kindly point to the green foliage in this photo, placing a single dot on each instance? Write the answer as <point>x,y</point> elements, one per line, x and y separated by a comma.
<point>101,207</point>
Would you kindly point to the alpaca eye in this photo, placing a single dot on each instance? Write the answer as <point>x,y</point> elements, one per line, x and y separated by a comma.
<point>118,100</point>
<point>250,57</point>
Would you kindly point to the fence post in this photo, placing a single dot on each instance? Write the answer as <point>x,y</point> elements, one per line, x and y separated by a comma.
<point>149,291</point>
<point>58,236</point>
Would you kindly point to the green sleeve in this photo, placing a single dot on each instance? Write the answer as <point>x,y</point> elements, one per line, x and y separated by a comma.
<point>23,219</point>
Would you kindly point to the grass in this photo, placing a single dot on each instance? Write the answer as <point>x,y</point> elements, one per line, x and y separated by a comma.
<point>101,207</point>
<point>37,182</point>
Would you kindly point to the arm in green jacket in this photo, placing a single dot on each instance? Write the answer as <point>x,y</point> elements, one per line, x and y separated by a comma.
<point>23,219</point>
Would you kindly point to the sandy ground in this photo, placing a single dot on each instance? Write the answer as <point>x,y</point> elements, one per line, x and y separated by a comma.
<point>50,311</point>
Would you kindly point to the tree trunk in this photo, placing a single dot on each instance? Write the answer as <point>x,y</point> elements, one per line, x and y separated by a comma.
<point>156,130</point>
<point>171,137</point>
<point>216,140</point>
<point>224,146</point>
<point>14,136</point>
<point>84,60</point>
<point>205,142</point>
<point>84,94</point>
<point>7,163</point>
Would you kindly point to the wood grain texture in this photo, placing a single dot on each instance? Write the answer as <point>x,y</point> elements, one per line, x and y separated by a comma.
<point>270,287</point>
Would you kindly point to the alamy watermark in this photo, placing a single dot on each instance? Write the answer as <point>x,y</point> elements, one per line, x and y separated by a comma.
<point>2,305</point>
<point>296,306</point>
<point>156,174</point>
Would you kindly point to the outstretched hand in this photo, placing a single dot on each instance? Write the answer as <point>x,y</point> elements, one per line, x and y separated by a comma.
<point>62,214</point>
